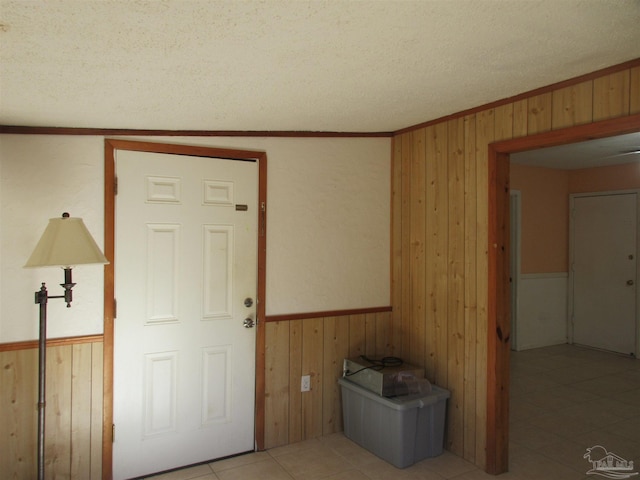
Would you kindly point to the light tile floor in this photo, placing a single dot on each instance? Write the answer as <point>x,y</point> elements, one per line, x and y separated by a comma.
<point>564,399</point>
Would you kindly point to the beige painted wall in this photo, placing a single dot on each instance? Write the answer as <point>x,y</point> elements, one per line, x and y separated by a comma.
<point>545,208</point>
<point>544,213</point>
<point>328,238</point>
<point>602,179</point>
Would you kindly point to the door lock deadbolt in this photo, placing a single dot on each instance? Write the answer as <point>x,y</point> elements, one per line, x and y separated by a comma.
<point>248,302</point>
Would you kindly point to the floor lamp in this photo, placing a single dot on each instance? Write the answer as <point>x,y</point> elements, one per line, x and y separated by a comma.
<point>65,243</point>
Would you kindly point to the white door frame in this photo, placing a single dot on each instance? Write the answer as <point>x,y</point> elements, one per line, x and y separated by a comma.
<point>110,184</point>
<point>570,296</point>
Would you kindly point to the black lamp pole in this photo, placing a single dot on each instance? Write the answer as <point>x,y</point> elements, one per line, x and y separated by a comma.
<point>66,241</point>
<point>42,297</point>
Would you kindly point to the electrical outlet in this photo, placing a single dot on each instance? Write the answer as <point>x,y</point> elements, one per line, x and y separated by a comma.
<point>305,383</point>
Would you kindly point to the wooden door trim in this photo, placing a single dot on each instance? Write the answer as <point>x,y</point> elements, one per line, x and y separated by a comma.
<point>498,321</point>
<point>110,146</point>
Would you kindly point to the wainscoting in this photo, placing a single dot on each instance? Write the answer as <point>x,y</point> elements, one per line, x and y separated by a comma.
<point>73,425</point>
<point>311,346</point>
<point>315,347</point>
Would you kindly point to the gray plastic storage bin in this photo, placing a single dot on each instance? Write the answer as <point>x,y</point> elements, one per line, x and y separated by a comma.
<point>400,430</point>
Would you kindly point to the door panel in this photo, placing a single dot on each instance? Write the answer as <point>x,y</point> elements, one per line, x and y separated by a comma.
<point>186,258</point>
<point>604,272</point>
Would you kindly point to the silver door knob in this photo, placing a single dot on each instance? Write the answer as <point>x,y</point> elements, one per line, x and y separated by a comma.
<point>629,282</point>
<point>248,323</point>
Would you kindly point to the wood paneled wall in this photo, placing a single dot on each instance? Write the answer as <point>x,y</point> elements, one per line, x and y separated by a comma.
<point>440,234</point>
<point>73,423</point>
<point>315,347</point>
<point>439,297</point>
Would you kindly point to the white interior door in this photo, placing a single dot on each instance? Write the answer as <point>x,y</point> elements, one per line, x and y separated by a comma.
<point>186,260</point>
<point>604,271</point>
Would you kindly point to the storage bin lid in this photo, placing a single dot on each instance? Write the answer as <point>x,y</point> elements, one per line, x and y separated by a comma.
<point>407,402</point>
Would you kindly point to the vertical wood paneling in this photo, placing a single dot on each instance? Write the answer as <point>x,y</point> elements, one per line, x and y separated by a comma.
<point>58,412</point>
<point>634,93</point>
<point>405,282</point>
<point>315,347</point>
<point>416,353</point>
<point>437,246</point>
<point>384,335</point>
<point>427,334</point>
<point>504,121</point>
<point>97,375</point>
<point>357,335</point>
<point>520,118</point>
<point>466,373</point>
<point>336,349</point>
<point>295,372</point>
<point>18,421</point>
<point>312,365</point>
<point>277,383</point>
<point>396,242</point>
<point>611,95</point>
<point>539,114</point>
<point>371,330</point>
<point>484,136</point>
<point>73,429</point>
<point>455,287</point>
<point>572,105</point>
<point>81,369</point>
<point>470,290</point>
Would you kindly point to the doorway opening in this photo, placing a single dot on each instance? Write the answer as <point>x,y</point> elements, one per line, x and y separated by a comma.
<point>499,301</point>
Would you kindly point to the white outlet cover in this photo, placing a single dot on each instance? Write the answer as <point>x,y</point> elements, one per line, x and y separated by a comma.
<point>305,383</point>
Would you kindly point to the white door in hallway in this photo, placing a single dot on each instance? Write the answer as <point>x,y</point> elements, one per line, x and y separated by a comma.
<point>604,254</point>
<point>186,261</point>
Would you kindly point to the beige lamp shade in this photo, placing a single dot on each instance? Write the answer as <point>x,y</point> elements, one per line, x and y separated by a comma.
<point>66,242</point>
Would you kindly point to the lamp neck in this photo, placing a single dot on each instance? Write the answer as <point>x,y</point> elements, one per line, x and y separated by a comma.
<point>68,285</point>
<point>42,295</point>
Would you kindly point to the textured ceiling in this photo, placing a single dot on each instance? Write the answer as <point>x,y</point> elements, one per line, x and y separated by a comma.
<point>592,153</point>
<point>336,65</point>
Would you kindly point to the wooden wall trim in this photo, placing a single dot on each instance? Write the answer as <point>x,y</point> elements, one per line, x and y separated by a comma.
<point>261,304</point>
<point>51,342</point>
<point>498,323</point>
<point>109,309</point>
<point>189,150</point>
<point>498,311</point>
<point>49,130</point>
<point>106,132</point>
<point>330,313</point>
<point>580,133</point>
<point>522,96</point>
